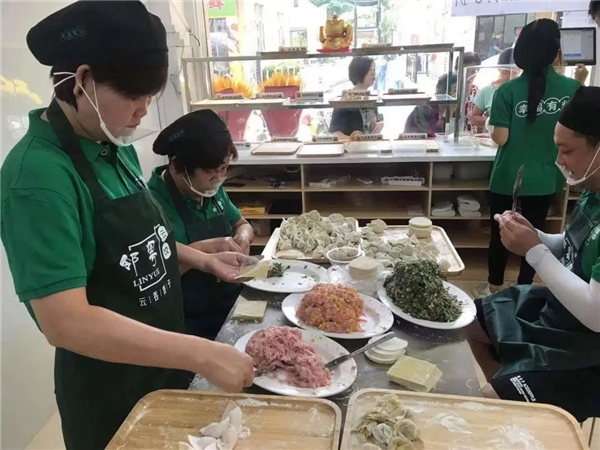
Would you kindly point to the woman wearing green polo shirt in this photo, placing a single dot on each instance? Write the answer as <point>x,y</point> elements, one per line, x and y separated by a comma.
<point>485,96</point>
<point>91,253</point>
<point>523,116</point>
<point>200,148</point>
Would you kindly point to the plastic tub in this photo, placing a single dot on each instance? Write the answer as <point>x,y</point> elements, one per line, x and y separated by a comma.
<point>337,258</point>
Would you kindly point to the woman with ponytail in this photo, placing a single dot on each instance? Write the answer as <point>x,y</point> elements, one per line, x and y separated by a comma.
<point>522,121</point>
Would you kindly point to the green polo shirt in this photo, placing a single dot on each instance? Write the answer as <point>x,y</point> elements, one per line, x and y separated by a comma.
<point>47,212</point>
<point>529,144</point>
<point>204,210</point>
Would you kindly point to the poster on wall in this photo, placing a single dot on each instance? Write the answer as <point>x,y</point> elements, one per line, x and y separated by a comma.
<point>500,7</point>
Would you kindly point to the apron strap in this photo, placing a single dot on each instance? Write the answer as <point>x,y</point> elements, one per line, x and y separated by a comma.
<point>185,214</point>
<point>71,146</point>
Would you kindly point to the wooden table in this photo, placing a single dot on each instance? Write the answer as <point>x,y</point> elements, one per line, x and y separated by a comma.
<point>447,349</point>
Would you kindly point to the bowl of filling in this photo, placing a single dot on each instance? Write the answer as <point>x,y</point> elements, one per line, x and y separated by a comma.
<point>343,255</point>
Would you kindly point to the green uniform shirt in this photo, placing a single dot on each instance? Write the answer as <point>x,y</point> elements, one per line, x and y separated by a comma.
<point>530,145</point>
<point>204,210</point>
<point>47,212</point>
<point>483,99</point>
<point>590,256</point>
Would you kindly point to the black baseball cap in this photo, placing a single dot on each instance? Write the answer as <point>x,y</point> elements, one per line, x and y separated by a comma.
<point>117,33</point>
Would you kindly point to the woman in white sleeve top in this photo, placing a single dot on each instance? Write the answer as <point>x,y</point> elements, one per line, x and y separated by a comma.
<point>542,344</point>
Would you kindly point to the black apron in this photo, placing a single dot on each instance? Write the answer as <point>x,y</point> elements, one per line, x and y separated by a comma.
<point>135,274</point>
<point>206,299</point>
<point>531,330</point>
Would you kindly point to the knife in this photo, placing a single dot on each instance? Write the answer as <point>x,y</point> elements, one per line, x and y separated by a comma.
<point>517,188</point>
<point>337,361</point>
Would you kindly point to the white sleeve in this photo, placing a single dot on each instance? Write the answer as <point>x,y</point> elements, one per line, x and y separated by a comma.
<point>554,242</point>
<point>580,298</point>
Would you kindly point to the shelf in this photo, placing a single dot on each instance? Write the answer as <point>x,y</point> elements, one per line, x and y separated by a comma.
<point>573,198</point>
<point>270,216</point>
<point>461,185</point>
<point>260,241</point>
<point>468,238</point>
<point>355,186</point>
<point>374,211</point>
<point>260,186</point>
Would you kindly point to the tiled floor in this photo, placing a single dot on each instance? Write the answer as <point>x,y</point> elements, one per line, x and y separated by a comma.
<point>50,437</point>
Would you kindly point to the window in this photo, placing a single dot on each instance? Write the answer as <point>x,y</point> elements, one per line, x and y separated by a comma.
<point>298,38</point>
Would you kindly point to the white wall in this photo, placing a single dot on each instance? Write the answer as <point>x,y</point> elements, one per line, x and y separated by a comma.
<point>27,385</point>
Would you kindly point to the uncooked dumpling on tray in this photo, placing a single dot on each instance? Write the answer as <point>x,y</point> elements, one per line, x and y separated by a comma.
<point>221,435</point>
<point>314,235</point>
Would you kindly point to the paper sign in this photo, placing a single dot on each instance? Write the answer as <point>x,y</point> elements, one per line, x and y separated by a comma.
<point>499,7</point>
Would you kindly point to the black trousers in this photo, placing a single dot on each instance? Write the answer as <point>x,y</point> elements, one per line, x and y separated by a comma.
<point>533,208</point>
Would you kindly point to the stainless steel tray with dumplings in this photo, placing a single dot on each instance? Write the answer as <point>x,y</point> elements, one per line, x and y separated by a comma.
<point>310,236</point>
<point>398,244</point>
<point>440,422</point>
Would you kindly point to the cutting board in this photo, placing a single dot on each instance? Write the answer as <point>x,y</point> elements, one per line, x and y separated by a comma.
<point>466,423</point>
<point>164,418</point>
<point>277,148</point>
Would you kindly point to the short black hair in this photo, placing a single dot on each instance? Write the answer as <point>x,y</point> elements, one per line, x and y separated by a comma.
<point>591,140</point>
<point>469,59</point>
<point>205,157</point>
<point>594,10</point>
<point>131,82</point>
<point>442,83</point>
<point>506,57</point>
<point>359,68</point>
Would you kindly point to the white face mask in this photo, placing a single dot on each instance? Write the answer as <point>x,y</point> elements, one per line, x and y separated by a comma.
<point>207,194</point>
<point>568,175</point>
<point>129,135</point>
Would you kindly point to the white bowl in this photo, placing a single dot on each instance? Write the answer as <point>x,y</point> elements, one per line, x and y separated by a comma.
<point>342,262</point>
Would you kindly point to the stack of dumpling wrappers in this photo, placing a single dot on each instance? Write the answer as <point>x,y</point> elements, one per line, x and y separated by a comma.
<point>314,235</point>
<point>388,426</point>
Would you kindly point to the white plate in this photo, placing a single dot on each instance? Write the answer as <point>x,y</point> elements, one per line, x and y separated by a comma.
<point>300,277</point>
<point>468,308</point>
<point>378,319</point>
<point>342,377</point>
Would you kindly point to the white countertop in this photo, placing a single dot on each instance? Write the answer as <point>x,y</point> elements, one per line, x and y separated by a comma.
<point>445,154</point>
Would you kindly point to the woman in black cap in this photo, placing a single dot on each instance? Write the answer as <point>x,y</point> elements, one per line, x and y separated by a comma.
<point>200,148</point>
<point>542,344</point>
<point>92,255</point>
<point>522,119</point>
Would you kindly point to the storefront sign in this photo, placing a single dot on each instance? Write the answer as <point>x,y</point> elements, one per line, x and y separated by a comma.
<point>218,9</point>
<point>499,7</point>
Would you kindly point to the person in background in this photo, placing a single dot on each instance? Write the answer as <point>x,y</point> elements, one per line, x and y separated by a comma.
<point>92,255</point>
<point>470,59</point>
<point>581,72</point>
<point>483,101</point>
<point>522,119</point>
<point>431,119</point>
<point>348,123</point>
<point>189,189</point>
<point>497,44</point>
<point>541,344</point>
<point>594,11</point>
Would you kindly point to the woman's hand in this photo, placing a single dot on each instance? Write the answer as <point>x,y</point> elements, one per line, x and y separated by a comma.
<point>581,73</point>
<point>226,367</point>
<point>225,265</point>
<point>217,245</point>
<point>378,127</point>
<point>243,242</point>
<point>517,237</point>
<point>356,135</point>
<point>506,215</point>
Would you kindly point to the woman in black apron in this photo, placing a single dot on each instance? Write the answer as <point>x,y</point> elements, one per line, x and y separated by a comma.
<point>200,148</point>
<point>113,307</point>
<point>542,344</point>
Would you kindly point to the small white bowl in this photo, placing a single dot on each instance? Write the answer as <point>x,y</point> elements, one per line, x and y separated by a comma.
<point>336,261</point>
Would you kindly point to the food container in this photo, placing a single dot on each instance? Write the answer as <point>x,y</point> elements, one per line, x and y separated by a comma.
<point>343,255</point>
<point>339,274</point>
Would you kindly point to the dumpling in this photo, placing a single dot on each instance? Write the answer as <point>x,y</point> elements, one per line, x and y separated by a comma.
<point>408,251</point>
<point>400,443</point>
<point>336,218</point>
<point>444,265</point>
<point>383,433</point>
<point>215,430</point>
<point>385,247</point>
<point>229,439</point>
<point>414,240</point>
<point>285,244</point>
<point>310,245</point>
<point>379,223</point>
<point>234,413</point>
<point>369,446</point>
<point>319,252</point>
<point>395,252</point>
<point>380,255</point>
<point>432,248</point>
<point>377,229</point>
<point>350,222</point>
<point>201,443</point>
<point>406,428</point>
<point>314,215</point>
<point>355,237</point>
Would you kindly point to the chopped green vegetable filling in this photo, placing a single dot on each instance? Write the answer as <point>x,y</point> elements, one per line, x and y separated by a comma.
<point>416,288</point>
<point>276,270</point>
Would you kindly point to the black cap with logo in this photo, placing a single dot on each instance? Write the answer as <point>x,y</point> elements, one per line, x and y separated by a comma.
<point>119,33</point>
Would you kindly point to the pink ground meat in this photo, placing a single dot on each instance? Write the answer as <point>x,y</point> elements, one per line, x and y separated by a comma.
<point>298,360</point>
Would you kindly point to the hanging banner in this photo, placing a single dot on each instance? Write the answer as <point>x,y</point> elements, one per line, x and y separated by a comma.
<point>218,9</point>
<point>500,7</point>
